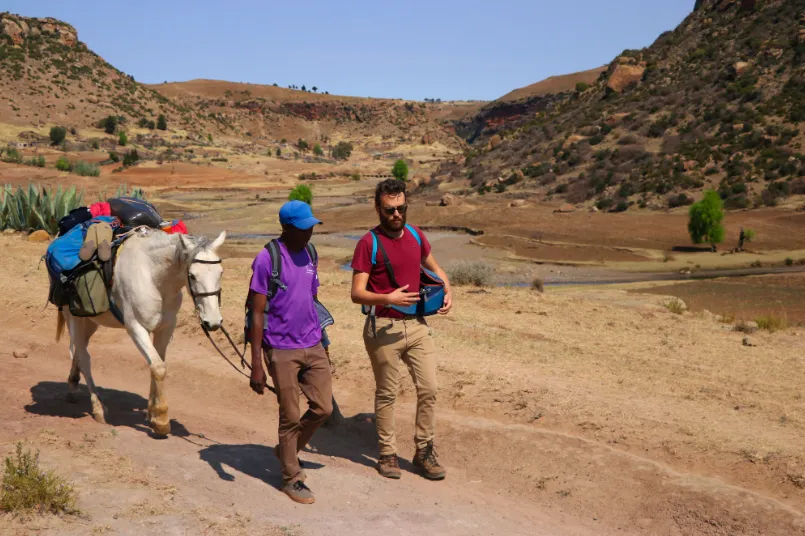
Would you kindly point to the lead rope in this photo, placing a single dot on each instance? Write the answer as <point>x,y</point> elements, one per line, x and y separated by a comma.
<point>243,362</point>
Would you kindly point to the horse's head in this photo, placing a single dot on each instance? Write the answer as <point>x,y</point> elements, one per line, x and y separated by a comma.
<point>204,271</point>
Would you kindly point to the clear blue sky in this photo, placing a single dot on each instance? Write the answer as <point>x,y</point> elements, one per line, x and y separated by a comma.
<point>436,48</point>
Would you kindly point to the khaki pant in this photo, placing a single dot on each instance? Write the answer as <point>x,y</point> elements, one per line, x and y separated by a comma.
<point>308,369</point>
<point>411,342</point>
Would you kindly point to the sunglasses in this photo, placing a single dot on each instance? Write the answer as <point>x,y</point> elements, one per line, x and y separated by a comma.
<point>391,210</point>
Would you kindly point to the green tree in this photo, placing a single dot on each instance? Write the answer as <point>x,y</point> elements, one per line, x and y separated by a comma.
<point>581,87</point>
<point>706,216</point>
<point>302,145</point>
<point>114,157</point>
<point>400,170</point>
<point>342,150</point>
<point>57,135</point>
<point>317,150</point>
<point>130,158</point>
<point>162,122</point>
<point>109,124</point>
<point>122,139</point>
<point>301,193</point>
<point>279,151</point>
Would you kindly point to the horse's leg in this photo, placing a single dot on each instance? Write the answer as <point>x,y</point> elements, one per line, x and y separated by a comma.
<point>81,330</point>
<point>75,370</point>
<point>162,337</point>
<point>157,406</point>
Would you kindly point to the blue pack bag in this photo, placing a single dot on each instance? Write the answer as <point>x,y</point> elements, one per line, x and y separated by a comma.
<point>62,253</point>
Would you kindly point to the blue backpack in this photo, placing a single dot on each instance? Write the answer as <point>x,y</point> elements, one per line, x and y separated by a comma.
<point>62,253</point>
<point>431,286</point>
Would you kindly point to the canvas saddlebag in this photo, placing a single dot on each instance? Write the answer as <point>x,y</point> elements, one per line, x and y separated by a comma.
<point>84,290</point>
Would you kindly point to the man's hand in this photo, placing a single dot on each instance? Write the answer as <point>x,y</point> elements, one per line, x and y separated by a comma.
<point>448,303</point>
<point>402,298</point>
<point>258,378</point>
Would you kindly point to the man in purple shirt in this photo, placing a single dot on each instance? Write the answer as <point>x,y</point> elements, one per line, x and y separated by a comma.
<point>291,344</point>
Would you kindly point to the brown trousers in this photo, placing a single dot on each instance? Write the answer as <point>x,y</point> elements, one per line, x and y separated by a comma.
<point>290,370</point>
<point>411,342</point>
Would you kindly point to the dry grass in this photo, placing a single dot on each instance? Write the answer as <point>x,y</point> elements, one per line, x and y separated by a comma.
<point>28,488</point>
<point>675,305</point>
<point>771,322</point>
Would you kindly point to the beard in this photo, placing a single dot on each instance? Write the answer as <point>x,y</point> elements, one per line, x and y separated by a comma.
<point>393,224</point>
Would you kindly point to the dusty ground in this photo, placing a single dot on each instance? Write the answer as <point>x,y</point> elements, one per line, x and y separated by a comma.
<point>580,412</point>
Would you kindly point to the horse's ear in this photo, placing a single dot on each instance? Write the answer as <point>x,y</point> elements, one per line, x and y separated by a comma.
<point>218,242</point>
<point>185,241</point>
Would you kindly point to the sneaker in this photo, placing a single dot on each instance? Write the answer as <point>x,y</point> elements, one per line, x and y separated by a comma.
<point>425,460</point>
<point>298,492</point>
<point>389,466</point>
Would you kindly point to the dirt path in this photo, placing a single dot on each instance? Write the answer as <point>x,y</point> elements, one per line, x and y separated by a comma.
<point>568,414</point>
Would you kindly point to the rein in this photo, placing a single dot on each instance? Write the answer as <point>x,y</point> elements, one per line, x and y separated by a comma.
<point>195,296</point>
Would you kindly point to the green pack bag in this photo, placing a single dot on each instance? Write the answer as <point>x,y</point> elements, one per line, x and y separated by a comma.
<point>86,290</point>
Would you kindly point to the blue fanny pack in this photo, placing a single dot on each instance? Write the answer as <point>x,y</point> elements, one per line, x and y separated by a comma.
<point>431,286</point>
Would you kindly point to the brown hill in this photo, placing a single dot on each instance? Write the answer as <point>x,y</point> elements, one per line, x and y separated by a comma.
<point>554,84</point>
<point>717,103</point>
<point>49,77</point>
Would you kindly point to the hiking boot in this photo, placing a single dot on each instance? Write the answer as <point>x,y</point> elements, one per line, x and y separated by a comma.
<point>298,492</point>
<point>425,460</point>
<point>389,466</point>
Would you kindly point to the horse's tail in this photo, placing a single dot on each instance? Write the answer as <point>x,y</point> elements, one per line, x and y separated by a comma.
<point>59,325</point>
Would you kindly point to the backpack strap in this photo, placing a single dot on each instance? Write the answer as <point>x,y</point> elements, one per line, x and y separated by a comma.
<point>312,253</point>
<point>411,230</point>
<point>374,247</point>
<point>275,282</point>
<point>386,261</point>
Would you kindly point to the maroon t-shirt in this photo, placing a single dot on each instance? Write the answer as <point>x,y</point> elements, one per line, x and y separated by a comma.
<point>405,255</point>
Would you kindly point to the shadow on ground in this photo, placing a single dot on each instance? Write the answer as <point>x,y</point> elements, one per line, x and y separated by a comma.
<point>122,407</point>
<point>256,461</point>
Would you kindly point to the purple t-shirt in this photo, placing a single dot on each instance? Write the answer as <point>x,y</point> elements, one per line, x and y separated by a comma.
<point>292,319</point>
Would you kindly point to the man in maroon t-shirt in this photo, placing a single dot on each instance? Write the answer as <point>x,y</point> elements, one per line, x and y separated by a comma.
<point>392,336</point>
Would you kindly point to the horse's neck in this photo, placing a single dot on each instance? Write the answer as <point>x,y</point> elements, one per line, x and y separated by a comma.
<point>168,270</point>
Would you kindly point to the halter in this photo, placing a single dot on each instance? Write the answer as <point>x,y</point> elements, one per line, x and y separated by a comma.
<point>195,295</point>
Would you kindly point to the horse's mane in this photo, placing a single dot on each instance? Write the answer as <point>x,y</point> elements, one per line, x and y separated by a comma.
<point>159,240</point>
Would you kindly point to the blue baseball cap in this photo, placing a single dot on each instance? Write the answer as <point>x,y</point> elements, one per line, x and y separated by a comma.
<point>299,214</point>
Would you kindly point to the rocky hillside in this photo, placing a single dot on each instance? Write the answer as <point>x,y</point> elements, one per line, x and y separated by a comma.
<point>717,103</point>
<point>48,76</point>
<point>269,112</point>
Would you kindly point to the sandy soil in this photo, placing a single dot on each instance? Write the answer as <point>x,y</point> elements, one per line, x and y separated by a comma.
<point>580,412</point>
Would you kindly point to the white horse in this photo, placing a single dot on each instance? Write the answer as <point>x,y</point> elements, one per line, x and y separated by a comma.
<point>151,270</point>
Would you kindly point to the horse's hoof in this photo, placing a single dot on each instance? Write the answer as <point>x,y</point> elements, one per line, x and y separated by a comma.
<point>100,417</point>
<point>161,430</point>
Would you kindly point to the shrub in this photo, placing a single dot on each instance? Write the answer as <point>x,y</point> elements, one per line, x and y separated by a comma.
<point>38,161</point>
<point>130,158</point>
<point>86,169</point>
<point>317,150</point>
<point>109,124</point>
<point>675,305</point>
<point>355,177</point>
<point>114,157</point>
<point>581,87</point>
<point>400,170</point>
<point>302,192</point>
<point>471,273</point>
<point>302,145</point>
<point>538,285</point>
<point>12,156</point>
<point>62,164</point>
<point>342,150</point>
<point>162,122</point>
<point>122,139</point>
<point>57,135</point>
<point>95,145</point>
<point>680,200</point>
<point>772,323</point>
<point>26,487</point>
<point>705,220</point>
<point>789,261</point>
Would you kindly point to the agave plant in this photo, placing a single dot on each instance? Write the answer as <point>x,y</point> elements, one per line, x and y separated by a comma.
<point>26,209</point>
<point>123,191</point>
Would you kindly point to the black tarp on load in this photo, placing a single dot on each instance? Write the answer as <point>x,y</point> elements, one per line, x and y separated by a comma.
<point>133,212</point>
